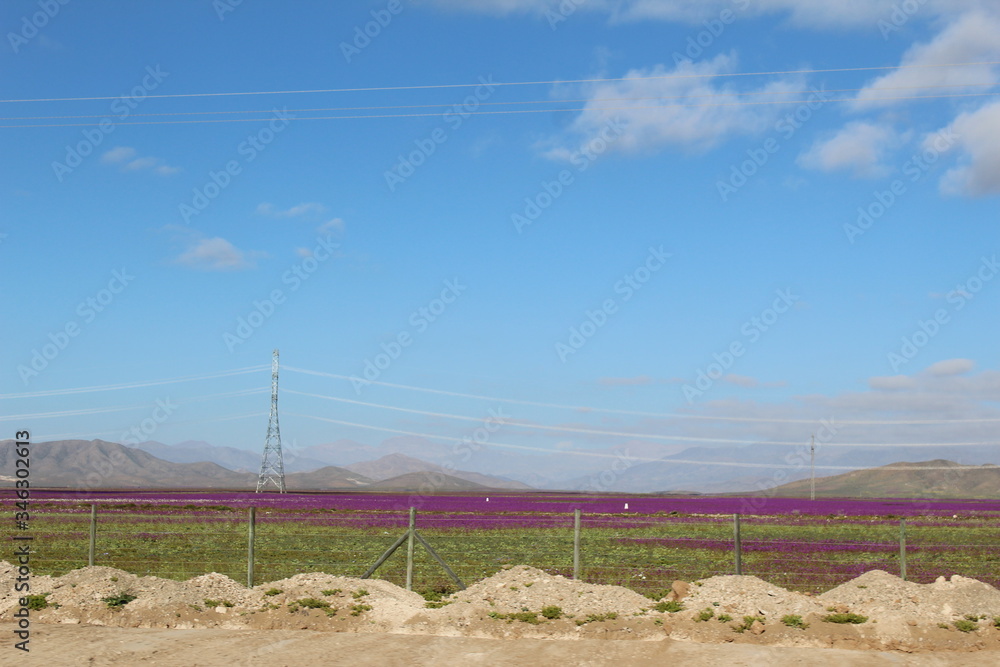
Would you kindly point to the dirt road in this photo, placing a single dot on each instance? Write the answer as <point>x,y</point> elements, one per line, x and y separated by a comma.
<point>58,645</point>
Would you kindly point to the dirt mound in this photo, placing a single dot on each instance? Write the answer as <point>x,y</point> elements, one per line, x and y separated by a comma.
<point>880,594</point>
<point>517,588</point>
<point>741,595</point>
<point>388,604</point>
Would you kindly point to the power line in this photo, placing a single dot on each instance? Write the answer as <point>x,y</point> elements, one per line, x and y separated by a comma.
<point>643,436</point>
<point>134,385</point>
<point>503,112</point>
<point>732,93</point>
<point>514,83</point>
<point>730,464</point>
<point>636,413</point>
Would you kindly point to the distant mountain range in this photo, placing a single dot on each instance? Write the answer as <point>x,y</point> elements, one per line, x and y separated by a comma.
<point>930,479</point>
<point>343,465</point>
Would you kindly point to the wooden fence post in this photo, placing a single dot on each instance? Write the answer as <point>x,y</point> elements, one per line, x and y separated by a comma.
<point>576,544</point>
<point>737,544</point>
<point>251,533</point>
<point>409,549</point>
<point>93,535</point>
<point>902,549</point>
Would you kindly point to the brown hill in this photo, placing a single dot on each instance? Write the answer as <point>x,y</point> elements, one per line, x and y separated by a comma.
<point>90,464</point>
<point>427,482</point>
<point>394,465</point>
<point>926,479</point>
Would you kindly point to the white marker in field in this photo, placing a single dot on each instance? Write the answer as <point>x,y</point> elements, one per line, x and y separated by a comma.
<point>626,505</point>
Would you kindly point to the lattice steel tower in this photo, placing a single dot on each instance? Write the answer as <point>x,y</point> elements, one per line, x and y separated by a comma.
<point>272,468</point>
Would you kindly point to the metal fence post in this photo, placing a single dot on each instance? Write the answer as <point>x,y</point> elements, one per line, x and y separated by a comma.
<point>737,544</point>
<point>93,535</point>
<point>902,549</point>
<point>576,544</point>
<point>409,549</point>
<point>251,533</point>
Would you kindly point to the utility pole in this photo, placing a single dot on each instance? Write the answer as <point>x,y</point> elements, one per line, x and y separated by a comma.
<point>812,467</point>
<point>272,468</point>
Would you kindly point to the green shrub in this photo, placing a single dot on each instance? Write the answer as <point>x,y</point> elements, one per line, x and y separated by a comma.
<point>671,606</point>
<point>313,603</point>
<point>724,618</point>
<point>747,623</point>
<point>705,615</point>
<point>552,612</point>
<point>965,625</point>
<point>37,602</point>
<point>356,610</point>
<point>271,592</point>
<point>794,621</point>
<point>845,618</point>
<point>212,604</point>
<point>996,621</point>
<point>118,601</point>
<point>358,594</point>
<point>330,591</point>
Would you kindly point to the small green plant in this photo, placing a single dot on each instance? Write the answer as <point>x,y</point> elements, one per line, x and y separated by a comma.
<point>528,585</point>
<point>794,621</point>
<point>552,612</point>
<point>862,586</point>
<point>715,604</point>
<point>973,617</point>
<point>437,604</point>
<point>114,578</point>
<point>196,607</point>
<point>943,626</point>
<point>330,591</point>
<point>596,618</point>
<point>358,609</point>
<point>996,621</point>
<point>724,618</point>
<point>705,615</point>
<point>37,602</point>
<point>313,603</point>
<point>212,604</point>
<point>118,601</point>
<point>845,618</point>
<point>669,606</point>
<point>513,588</point>
<point>358,594</point>
<point>747,623</point>
<point>271,592</point>
<point>965,625</point>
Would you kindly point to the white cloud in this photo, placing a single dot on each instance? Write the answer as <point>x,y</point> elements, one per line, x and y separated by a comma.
<point>972,37</point>
<point>741,380</point>
<point>859,147</point>
<point>683,107</point>
<point>950,367</point>
<point>335,225</point>
<point>118,154</point>
<point>293,212</point>
<point>978,134</point>
<point>216,254</point>
<point>892,383</point>
<point>126,157</point>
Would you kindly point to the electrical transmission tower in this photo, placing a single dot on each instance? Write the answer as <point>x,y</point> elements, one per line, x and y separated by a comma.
<point>272,468</point>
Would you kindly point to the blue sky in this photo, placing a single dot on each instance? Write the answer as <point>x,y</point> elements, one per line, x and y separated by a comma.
<point>686,199</point>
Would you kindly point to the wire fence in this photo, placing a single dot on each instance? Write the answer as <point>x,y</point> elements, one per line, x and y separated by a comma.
<point>643,552</point>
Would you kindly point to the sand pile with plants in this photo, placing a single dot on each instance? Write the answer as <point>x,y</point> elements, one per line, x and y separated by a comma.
<point>876,610</point>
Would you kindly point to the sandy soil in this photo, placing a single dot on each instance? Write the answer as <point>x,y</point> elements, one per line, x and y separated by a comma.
<point>521,614</point>
<point>59,645</point>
